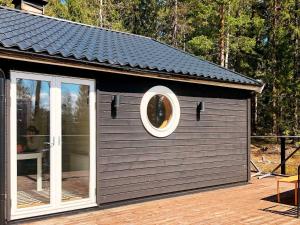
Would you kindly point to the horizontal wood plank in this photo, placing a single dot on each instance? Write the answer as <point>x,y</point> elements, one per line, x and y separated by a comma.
<point>188,123</point>
<point>152,142</point>
<point>183,117</point>
<point>105,183</point>
<point>170,168</point>
<point>176,136</point>
<point>188,109</point>
<point>127,97</point>
<point>190,130</point>
<point>168,189</point>
<point>171,182</point>
<point>227,148</point>
<point>188,157</point>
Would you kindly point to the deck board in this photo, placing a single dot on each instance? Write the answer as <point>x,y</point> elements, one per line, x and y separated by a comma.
<point>254,203</point>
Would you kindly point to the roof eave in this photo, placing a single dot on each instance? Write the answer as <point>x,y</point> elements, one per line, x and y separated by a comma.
<point>14,54</point>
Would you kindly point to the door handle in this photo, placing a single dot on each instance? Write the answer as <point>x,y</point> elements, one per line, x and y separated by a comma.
<point>51,144</point>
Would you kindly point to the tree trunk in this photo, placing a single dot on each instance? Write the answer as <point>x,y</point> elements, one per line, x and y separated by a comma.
<point>175,24</point>
<point>274,116</point>
<point>37,98</point>
<point>227,50</point>
<point>184,44</point>
<point>296,119</point>
<point>222,36</point>
<point>296,67</point>
<point>297,41</point>
<point>253,114</point>
<point>275,128</point>
<point>227,41</point>
<point>101,14</point>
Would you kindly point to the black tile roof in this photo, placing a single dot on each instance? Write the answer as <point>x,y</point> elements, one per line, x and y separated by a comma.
<point>41,34</point>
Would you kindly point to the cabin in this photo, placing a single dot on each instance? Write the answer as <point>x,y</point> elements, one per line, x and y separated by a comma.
<point>95,118</point>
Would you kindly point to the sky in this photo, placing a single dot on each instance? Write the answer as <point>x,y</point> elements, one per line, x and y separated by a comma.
<point>71,90</point>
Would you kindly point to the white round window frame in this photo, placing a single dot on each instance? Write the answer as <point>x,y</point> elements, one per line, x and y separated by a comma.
<point>173,123</point>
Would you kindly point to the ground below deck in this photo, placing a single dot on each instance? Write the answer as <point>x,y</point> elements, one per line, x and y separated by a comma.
<point>249,204</point>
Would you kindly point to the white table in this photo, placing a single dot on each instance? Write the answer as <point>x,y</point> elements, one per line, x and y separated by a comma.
<point>38,156</point>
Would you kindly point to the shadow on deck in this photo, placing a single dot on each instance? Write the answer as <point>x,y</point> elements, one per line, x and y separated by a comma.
<point>286,206</point>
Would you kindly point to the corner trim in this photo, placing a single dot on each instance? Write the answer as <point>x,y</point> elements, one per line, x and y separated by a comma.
<point>3,195</point>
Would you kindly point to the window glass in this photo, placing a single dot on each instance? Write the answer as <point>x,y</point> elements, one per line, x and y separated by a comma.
<point>159,111</point>
<point>33,143</point>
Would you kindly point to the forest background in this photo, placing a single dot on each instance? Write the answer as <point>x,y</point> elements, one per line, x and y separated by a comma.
<point>258,38</point>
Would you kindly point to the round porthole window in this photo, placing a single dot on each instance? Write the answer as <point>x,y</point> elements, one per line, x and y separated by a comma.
<point>160,111</point>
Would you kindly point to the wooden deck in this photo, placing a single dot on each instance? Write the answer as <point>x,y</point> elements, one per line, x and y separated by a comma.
<point>249,204</point>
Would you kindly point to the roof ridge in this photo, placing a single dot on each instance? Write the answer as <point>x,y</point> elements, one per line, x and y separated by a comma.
<point>194,56</point>
<point>72,22</point>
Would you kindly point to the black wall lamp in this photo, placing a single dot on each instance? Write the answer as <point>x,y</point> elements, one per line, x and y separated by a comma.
<point>115,104</point>
<point>199,109</point>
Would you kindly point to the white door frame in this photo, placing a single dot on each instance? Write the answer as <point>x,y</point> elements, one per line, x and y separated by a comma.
<point>56,205</point>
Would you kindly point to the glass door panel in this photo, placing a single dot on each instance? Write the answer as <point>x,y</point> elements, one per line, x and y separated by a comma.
<point>52,144</point>
<point>33,138</point>
<point>75,141</point>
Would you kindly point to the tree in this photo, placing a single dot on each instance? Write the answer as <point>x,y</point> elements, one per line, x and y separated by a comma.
<point>7,3</point>
<point>56,9</point>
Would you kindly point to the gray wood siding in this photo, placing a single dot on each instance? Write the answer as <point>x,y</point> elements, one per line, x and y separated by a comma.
<point>131,163</point>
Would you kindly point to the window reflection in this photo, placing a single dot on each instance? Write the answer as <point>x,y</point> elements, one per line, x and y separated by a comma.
<point>33,129</point>
<point>75,141</point>
<point>159,111</point>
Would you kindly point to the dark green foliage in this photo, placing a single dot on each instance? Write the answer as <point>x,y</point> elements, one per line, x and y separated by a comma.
<point>7,3</point>
<point>259,38</point>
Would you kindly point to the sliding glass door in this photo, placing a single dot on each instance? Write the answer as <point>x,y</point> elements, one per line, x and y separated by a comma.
<point>52,144</point>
